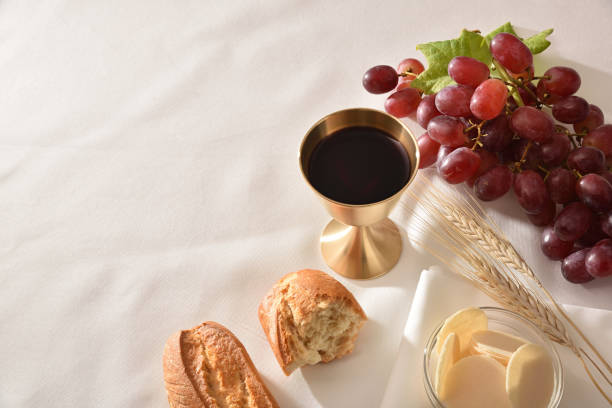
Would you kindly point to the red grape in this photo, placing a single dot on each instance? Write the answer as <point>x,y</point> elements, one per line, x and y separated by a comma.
<point>573,221</point>
<point>496,134</point>
<point>428,150</point>
<point>427,110</point>
<point>600,138</point>
<point>403,103</point>
<point>545,96</point>
<point>546,216</point>
<point>511,52</point>
<point>593,235</point>
<point>561,81</point>
<point>561,184</point>
<point>598,260</point>
<point>595,191</point>
<point>533,124</point>
<point>607,175</point>
<point>409,65</point>
<point>555,151</point>
<point>489,99</point>
<point>493,184</point>
<point>571,109</point>
<point>459,165</point>
<point>442,153</point>
<point>380,79</point>
<point>553,247</point>
<point>468,71</point>
<point>403,85</point>
<point>586,160</point>
<point>594,119</point>
<point>531,191</point>
<point>573,267</point>
<point>528,97</point>
<point>454,100</point>
<point>487,161</point>
<point>447,130</point>
<point>606,223</point>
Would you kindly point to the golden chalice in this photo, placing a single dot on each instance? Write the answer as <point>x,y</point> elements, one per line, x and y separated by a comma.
<point>360,242</point>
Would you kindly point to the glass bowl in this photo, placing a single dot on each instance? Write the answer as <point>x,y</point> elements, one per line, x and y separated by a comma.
<point>505,321</point>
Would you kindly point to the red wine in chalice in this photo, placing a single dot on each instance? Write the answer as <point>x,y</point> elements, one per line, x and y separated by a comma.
<point>359,165</point>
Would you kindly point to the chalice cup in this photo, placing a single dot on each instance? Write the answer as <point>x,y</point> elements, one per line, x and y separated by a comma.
<point>360,242</point>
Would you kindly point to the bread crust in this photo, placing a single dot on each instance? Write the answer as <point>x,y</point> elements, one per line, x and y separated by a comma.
<point>208,367</point>
<point>302,288</point>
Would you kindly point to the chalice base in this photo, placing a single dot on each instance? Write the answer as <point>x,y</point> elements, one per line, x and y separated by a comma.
<point>361,252</point>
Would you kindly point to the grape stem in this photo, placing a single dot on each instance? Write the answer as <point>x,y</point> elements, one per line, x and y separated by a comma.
<point>545,170</point>
<point>540,104</point>
<point>519,163</point>
<point>520,84</point>
<point>408,73</point>
<point>471,127</point>
<point>530,92</point>
<point>506,77</point>
<point>568,134</point>
<point>523,157</point>
<point>544,98</point>
<point>476,140</point>
<point>573,142</point>
<point>577,134</point>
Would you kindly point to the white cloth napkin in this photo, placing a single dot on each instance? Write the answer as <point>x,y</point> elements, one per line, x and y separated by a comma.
<point>439,294</point>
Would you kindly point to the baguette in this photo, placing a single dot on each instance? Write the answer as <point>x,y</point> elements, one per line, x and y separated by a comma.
<point>208,367</point>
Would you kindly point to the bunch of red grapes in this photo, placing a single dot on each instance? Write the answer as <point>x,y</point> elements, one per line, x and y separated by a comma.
<point>494,140</point>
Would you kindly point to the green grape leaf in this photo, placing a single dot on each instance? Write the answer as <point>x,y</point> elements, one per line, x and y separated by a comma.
<point>439,54</point>
<point>506,28</point>
<point>538,43</point>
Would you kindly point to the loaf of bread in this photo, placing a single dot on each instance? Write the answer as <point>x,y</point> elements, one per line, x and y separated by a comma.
<point>208,367</point>
<point>309,317</point>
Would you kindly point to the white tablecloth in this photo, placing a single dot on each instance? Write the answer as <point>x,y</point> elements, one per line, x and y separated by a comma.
<point>149,179</point>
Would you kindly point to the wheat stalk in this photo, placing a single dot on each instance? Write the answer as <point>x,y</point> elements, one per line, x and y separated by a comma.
<point>485,257</point>
<point>507,293</point>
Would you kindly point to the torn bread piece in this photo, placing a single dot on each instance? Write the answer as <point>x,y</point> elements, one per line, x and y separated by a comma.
<point>310,317</point>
